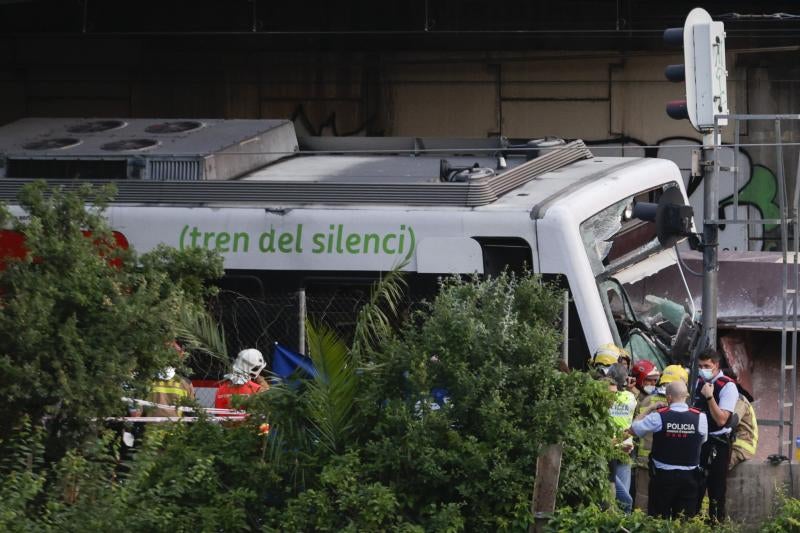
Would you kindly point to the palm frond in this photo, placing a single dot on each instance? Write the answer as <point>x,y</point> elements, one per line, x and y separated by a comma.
<point>201,332</point>
<point>330,395</point>
<point>373,322</point>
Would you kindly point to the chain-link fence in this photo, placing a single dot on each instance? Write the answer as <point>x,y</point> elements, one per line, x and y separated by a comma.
<point>259,323</point>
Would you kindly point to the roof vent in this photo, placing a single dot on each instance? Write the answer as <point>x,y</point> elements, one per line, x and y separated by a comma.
<point>447,172</point>
<point>128,145</point>
<point>52,144</point>
<point>142,148</point>
<point>180,126</point>
<point>96,126</point>
<point>543,146</point>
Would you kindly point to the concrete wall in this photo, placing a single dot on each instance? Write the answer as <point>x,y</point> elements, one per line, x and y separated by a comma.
<point>589,95</point>
<point>753,489</point>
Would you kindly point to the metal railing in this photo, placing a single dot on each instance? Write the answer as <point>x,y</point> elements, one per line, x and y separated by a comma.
<point>790,276</point>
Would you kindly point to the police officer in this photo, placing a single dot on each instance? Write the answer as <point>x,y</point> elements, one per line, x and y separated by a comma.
<point>678,434</point>
<point>716,395</point>
<point>657,399</point>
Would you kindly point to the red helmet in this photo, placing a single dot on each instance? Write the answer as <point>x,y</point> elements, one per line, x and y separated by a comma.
<point>642,370</point>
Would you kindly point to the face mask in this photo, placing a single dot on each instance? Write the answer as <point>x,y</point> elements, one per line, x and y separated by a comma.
<point>706,374</point>
<point>603,370</point>
<point>662,390</point>
<point>649,389</point>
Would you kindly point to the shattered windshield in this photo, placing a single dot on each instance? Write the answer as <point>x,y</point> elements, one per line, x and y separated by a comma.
<point>642,288</point>
<point>597,233</point>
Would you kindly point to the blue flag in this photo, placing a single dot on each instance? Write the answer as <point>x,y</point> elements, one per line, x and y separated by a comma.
<point>285,362</point>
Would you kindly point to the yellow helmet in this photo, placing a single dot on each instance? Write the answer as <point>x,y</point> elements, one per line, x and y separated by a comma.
<point>608,354</point>
<point>673,373</point>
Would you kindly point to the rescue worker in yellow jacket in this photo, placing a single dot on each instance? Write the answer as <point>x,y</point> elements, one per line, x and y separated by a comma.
<point>654,401</point>
<point>744,424</point>
<point>606,367</point>
<point>605,356</point>
<point>170,389</point>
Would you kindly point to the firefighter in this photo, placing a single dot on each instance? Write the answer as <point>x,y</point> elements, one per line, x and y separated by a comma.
<point>744,423</point>
<point>678,435</point>
<point>604,357</point>
<point>170,389</point>
<point>716,395</point>
<point>248,365</point>
<point>645,375</point>
<point>657,399</point>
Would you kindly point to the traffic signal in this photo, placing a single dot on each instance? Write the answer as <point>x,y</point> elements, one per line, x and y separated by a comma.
<point>703,70</point>
<point>673,218</point>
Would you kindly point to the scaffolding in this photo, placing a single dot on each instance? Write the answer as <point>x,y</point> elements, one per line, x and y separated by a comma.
<point>790,246</point>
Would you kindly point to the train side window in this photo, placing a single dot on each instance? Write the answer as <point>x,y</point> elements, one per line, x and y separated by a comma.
<point>244,284</point>
<point>577,348</point>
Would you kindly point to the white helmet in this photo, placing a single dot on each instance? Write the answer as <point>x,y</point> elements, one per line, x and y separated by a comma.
<point>166,373</point>
<point>249,362</point>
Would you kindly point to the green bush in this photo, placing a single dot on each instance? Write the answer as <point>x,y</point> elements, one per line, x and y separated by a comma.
<point>493,346</point>
<point>786,517</point>
<point>592,518</point>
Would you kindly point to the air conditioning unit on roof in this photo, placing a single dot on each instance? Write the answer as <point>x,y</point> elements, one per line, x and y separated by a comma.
<point>146,149</point>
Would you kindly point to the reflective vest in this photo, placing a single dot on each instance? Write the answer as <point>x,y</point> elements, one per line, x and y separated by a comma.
<point>622,412</point>
<point>228,390</point>
<point>622,409</point>
<point>646,442</point>
<point>173,391</point>
<point>701,403</point>
<point>679,440</point>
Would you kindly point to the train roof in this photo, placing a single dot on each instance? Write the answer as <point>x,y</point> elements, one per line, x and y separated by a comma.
<point>252,163</point>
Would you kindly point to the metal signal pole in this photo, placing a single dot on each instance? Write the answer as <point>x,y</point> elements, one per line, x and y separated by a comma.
<point>710,241</point>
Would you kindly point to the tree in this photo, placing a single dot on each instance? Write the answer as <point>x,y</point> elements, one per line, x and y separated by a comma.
<point>79,318</point>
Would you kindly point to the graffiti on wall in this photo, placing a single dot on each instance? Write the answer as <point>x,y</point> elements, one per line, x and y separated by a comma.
<point>326,127</point>
<point>756,183</point>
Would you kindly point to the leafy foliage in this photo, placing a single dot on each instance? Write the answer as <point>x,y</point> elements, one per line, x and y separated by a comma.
<point>200,332</point>
<point>374,322</point>
<point>79,318</point>
<point>585,461</point>
<point>331,392</point>
<point>592,518</point>
<point>21,475</point>
<point>433,428</point>
<point>189,269</point>
<point>493,346</point>
<point>786,517</point>
<point>344,501</point>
